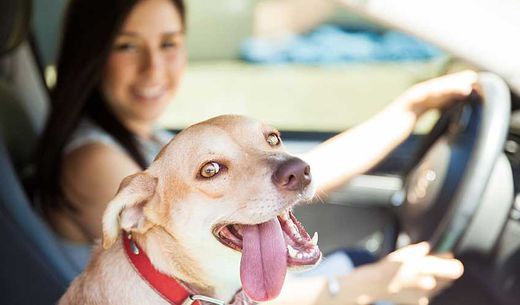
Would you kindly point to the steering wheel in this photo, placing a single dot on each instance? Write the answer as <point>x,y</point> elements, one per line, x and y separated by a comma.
<point>457,183</point>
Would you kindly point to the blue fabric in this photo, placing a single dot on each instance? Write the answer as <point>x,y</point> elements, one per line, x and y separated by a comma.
<point>358,256</point>
<point>340,262</point>
<point>337,263</point>
<point>329,44</point>
<point>78,253</point>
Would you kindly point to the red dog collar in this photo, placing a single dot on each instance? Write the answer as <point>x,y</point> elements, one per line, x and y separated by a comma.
<point>167,287</point>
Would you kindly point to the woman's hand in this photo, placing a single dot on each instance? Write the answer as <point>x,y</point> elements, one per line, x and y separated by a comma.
<point>438,92</point>
<point>407,276</point>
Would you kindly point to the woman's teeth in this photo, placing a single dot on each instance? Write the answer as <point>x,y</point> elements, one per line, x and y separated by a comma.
<point>150,92</point>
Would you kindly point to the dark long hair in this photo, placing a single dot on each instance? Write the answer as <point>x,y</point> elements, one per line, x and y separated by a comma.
<point>89,29</point>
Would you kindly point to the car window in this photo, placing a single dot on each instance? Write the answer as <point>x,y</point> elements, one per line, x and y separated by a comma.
<point>329,77</point>
<point>294,97</point>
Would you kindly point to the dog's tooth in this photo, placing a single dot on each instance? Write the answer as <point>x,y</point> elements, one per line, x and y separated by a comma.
<point>299,255</point>
<point>292,252</point>
<point>314,239</point>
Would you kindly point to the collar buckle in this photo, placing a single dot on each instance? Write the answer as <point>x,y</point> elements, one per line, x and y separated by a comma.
<point>201,298</point>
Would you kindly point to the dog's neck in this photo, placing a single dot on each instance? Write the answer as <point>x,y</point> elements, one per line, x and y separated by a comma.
<point>216,279</point>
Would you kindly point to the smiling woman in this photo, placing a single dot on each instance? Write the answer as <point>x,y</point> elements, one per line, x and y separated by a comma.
<point>144,67</point>
<point>112,85</point>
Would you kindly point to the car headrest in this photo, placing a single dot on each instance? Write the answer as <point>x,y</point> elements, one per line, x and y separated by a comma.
<point>15,16</point>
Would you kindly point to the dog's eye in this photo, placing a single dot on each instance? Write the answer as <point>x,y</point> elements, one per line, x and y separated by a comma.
<point>273,139</point>
<point>210,169</point>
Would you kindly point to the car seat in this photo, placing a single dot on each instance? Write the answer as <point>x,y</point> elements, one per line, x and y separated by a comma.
<point>22,89</point>
<point>34,269</point>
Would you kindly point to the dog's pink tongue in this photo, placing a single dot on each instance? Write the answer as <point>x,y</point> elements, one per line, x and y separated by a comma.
<point>264,260</point>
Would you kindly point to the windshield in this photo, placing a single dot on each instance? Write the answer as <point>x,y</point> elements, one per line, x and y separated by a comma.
<point>325,76</point>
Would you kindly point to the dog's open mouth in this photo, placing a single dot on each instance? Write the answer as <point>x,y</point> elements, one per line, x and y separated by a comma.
<point>301,248</point>
<point>267,250</point>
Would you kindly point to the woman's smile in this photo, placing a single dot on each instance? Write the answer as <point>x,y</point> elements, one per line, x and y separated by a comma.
<point>149,93</point>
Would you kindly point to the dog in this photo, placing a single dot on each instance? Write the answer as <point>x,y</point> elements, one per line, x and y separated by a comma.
<point>211,217</point>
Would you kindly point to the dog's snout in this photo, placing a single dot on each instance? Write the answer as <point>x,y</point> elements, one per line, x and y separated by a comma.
<point>293,174</point>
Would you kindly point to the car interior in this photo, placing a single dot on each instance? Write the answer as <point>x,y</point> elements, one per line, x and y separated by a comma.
<point>456,185</point>
<point>34,269</point>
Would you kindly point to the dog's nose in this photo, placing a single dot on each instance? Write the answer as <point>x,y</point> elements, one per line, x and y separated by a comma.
<point>293,175</point>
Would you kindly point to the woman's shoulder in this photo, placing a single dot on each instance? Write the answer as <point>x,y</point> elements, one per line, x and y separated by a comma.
<point>93,155</point>
<point>97,159</point>
<point>88,133</point>
<point>91,174</point>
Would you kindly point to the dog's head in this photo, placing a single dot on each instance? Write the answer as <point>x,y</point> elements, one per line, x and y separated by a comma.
<point>223,190</point>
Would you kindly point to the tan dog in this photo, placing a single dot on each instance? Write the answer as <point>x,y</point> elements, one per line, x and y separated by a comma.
<point>212,212</point>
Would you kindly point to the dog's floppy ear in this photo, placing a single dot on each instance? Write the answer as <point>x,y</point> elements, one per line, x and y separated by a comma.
<point>125,211</point>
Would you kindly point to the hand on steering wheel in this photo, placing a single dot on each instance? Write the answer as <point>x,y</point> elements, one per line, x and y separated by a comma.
<point>447,185</point>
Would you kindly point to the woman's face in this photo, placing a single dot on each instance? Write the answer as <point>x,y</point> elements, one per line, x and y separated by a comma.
<point>146,63</point>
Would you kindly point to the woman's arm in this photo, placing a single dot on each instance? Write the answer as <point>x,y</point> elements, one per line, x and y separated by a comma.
<point>90,178</point>
<point>278,18</point>
<point>357,150</point>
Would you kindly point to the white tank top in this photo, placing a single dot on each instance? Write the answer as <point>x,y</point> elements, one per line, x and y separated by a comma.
<point>89,133</point>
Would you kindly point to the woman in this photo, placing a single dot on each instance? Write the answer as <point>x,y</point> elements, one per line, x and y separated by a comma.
<point>112,86</point>
<point>115,77</point>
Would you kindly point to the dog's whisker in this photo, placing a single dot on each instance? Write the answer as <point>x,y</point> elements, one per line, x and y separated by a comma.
<point>318,198</point>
